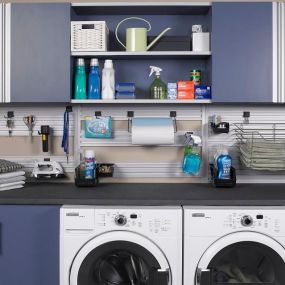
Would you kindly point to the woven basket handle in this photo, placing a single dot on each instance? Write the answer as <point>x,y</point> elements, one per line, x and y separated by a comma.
<point>130,18</point>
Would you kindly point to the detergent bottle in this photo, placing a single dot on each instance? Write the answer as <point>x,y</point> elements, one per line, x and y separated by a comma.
<point>108,80</point>
<point>94,83</point>
<point>80,91</point>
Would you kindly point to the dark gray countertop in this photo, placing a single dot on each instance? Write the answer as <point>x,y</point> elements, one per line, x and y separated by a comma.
<point>147,194</point>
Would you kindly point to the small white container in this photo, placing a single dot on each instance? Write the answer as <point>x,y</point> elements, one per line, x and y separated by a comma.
<point>201,42</point>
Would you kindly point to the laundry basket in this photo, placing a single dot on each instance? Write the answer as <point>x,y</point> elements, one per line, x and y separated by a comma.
<point>89,36</point>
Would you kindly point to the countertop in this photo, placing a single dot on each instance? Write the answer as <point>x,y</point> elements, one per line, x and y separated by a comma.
<point>147,194</point>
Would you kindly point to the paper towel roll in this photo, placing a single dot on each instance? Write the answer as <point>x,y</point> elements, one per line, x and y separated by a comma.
<point>152,131</point>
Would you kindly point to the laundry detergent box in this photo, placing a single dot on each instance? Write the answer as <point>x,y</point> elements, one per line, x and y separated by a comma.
<point>98,127</point>
<point>203,92</point>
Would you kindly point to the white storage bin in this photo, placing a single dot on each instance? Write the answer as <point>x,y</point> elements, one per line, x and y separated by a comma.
<point>201,42</point>
<point>89,36</point>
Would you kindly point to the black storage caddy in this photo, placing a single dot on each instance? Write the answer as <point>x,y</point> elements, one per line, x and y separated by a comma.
<point>220,183</point>
<point>221,128</point>
<point>81,181</point>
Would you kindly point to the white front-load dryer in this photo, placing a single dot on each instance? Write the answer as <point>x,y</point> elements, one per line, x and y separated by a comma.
<point>120,245</point>
<point>240,245</point>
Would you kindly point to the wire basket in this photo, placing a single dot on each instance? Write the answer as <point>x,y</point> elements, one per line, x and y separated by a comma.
<point>261,145</point>
<point>89,36</point>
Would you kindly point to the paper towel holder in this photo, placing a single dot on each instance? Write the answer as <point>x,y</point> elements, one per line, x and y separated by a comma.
<point>173,116</point>
<point>130,115</point>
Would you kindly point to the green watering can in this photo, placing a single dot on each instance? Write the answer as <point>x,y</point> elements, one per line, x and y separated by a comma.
<point>136,38</point>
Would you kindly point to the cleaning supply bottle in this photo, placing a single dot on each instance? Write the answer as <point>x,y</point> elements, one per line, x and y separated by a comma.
<point>80,80</point>
<point>89,161</point>
<point>108,81</point>
<point>158,89</point>
<point>94,83</point>
<point>192,159</point>
<point>223,163</point>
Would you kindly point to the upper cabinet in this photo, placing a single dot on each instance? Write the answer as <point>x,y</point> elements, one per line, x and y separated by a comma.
<point>39,52</point>
<point>246,62</point>
<point>242,52</point>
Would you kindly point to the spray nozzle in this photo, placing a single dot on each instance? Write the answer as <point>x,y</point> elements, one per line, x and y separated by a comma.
<point>155,69</point>
<point>192,140</point>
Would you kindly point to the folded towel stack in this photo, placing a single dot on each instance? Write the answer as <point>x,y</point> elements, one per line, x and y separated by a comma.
<point>10,175</point>
<point>12,180</point>
<point>125,91</point>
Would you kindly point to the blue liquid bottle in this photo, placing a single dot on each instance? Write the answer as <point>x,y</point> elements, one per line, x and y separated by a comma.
<point>224,164</point>
<point>192,159</point>
<point>94,82</point>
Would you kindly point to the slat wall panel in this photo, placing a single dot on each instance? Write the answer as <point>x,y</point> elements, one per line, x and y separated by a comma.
<point>52,116</point>
<point>132,161</point>
<point>234,114</point>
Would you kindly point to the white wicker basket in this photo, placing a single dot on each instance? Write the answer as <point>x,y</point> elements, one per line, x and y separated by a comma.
<point>89,36</point>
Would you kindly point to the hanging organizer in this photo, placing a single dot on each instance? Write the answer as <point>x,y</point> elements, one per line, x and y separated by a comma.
<point>261,145</point>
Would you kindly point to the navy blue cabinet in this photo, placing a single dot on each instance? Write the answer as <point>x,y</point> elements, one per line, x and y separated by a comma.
<point>29,245</point>
<point>242,52</point>
<point>40,52</point>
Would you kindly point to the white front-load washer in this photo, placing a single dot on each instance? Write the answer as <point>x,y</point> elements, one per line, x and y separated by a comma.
<point>241,245</point>
<point>120,245</point>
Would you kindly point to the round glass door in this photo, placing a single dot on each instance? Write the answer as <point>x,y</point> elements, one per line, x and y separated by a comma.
<point>121,263</point>
<point>115,259</point>
<point>244,262</point>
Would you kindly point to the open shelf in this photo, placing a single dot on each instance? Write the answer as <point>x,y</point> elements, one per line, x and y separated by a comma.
<point>140,101</point>
<point>146,54</point>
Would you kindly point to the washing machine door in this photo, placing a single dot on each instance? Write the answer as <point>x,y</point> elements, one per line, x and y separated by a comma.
<point>242,258</point>
<point>120,258</point>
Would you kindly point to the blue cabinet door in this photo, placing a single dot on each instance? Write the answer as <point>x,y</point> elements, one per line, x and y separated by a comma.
<point>29,245</point>
<point>242,52</point>
<point>40,52</point>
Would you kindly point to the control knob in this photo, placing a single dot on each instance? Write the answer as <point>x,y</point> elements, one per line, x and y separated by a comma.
<point>120,220</point>
<point>246,221</point>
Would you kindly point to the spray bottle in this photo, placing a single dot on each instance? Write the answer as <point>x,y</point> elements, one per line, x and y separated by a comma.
<point>192,158</point>
<point>158,89</point>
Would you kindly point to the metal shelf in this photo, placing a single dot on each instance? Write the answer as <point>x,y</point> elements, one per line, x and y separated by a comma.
<point>142,55</point>
<point>140,101</point>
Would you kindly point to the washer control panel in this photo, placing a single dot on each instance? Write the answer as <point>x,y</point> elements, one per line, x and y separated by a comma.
<point>145,221</point>
<point>227,220</point>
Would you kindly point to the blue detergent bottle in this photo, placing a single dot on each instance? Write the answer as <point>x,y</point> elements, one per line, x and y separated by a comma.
<point>192,159</point>
<point>224,164</point>
<point>94,82</point>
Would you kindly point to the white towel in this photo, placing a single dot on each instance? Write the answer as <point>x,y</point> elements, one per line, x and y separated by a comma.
<point>12,174</point>
<point>12,184</point>
<point>11,187</point>
<point>12,179</point>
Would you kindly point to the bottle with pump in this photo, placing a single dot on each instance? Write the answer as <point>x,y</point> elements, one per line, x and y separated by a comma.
<point>108,81</point>
<point>158,89</point>
<point>192,159</point>
<point>80,80</point>
<point>94,83</point>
